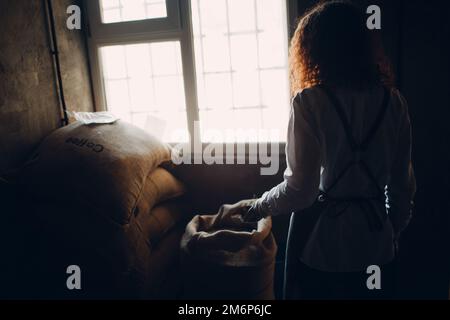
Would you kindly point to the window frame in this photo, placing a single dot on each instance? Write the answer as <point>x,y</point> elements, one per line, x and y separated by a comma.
<point>130,28</point>
<point>177,26</point>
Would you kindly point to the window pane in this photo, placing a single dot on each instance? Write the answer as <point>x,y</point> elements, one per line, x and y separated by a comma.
<point>241,15</point>
<point>112,15</point>
<point>216,53</point>
<point>144,85</point>
<point>117,93</point>
<point>167,58</point>
<point>132,10</point>
<point>156,9</point>
<point>244,52</point>
<point>218,85</point>
<point>241,65</point>
<point>273,84</point>
<point>246,90</point>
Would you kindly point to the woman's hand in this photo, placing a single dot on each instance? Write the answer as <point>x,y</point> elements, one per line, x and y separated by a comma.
<point>247,210</point>
<point>254,213</point>
<point>237,210</point>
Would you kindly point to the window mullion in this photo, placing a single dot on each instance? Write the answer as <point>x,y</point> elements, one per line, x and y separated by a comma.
<point>190,80</point>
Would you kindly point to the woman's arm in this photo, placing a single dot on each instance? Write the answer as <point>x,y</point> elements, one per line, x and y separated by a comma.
<point>302,176</point>
<point>402,186</point>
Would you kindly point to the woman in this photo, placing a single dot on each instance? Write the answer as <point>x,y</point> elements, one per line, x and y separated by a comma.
<point>348,159</point>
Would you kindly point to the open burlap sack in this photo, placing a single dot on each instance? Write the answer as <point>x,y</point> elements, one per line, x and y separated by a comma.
<point>225,258</point>
<point>103,167</point>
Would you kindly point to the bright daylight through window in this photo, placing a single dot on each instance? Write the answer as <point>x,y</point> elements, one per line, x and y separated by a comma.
<point>240,49</point>
<point>131,10</point>
<point>144,85</point>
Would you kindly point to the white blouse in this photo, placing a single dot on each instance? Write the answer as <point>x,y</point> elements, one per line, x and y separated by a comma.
<point>317,151</point>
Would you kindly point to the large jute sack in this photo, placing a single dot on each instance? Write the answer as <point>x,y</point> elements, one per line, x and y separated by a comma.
<point>136,257</point>
<point>164,266</point>
<point>100,166</point>
<point>116,260</point>
<point>159,186</point>
<point>157,223</point>
<point>225,258</point>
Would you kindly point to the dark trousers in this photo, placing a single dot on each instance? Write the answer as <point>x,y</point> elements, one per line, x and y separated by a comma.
<point>318,285</point>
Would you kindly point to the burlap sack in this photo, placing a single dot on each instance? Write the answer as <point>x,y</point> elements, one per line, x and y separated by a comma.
<point>96,186</point>
<point>163,269</point>
<point>136,259</point>
<point>160,220</point>
<point>224,258</point>
<point>102,167</point>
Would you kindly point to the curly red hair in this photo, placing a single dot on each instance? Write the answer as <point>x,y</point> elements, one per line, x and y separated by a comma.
<point>332,45</point>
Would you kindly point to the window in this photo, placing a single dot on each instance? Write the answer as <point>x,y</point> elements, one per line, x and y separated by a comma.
<point>144,85</point>
<point>131,10</point>
<point>164,64</point>
<point>241,66</point>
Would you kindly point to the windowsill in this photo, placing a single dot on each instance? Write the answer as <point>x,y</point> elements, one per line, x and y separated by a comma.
<point>239,149</point>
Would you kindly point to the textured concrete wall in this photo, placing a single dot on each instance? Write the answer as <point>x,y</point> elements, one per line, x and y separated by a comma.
<point>74,60</point>
<point>29,107</point>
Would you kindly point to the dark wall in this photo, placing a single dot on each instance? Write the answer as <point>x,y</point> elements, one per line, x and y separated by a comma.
<point>29,105</point>
<point>416,38</point>
<point>424,79</point>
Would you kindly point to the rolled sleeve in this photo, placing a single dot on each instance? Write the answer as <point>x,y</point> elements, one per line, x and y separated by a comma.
<point>302,176</point>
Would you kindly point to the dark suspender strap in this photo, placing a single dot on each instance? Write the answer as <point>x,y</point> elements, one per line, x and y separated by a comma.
<point>372,178</point>
<point>339,177</point>
<point>356,147</point>
<point>379,119</point>
<point>374,221</point>
<point>365,167</point>
<point>340,111</point>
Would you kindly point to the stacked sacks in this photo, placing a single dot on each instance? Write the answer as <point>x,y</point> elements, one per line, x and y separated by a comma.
<point>118,203</point>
